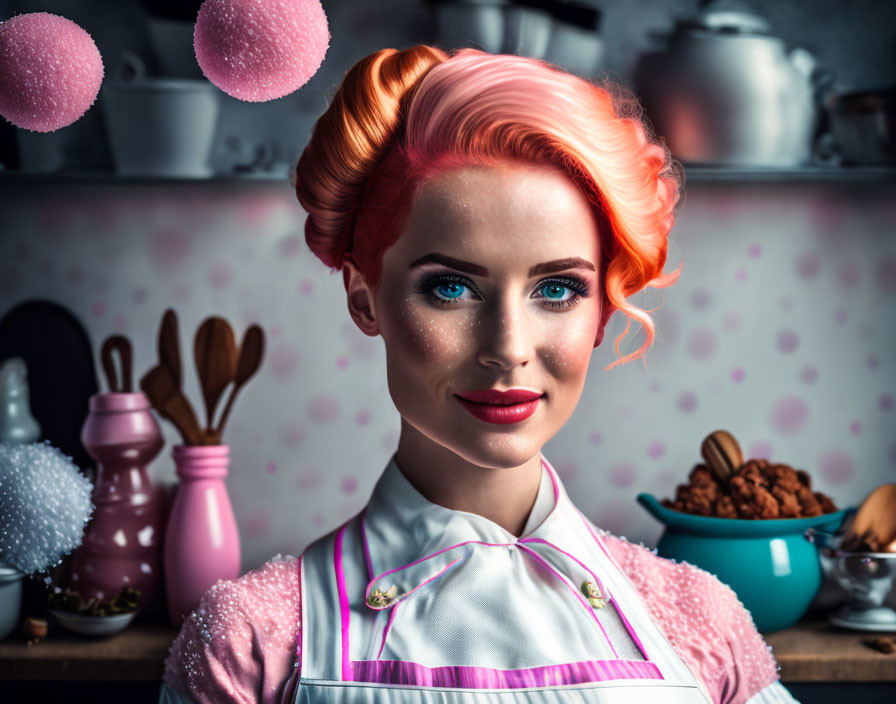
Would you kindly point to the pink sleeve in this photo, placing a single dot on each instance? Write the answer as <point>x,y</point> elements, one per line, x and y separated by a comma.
<point>703,620</point>
<point>239,645</point>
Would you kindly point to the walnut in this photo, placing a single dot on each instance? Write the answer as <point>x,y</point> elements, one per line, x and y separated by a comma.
<point>752,472</point>
<point>810,504</point>
<point>786,478</point>
<point>788,503</point>
<point>725,507</point>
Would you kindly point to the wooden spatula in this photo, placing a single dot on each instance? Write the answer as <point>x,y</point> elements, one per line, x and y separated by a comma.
<point>169,346</point>
<point>214,350</point>
<point>251,353</point>
<point>170,402</point>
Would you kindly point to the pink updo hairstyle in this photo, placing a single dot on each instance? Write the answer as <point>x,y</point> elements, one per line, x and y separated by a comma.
<point>400,117</point>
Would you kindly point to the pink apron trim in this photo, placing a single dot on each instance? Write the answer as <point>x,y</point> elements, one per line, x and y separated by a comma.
<point>603,589</point>
<point>411,673</point>
<point>401,598</point>
<point>291,689</point>
<point>538,558</point>
<point>520,544</point>
<point>343,601</point>
<point>423,559</point>
<point>401,672</point>
<point>628,626</point>
<point>298,661</point>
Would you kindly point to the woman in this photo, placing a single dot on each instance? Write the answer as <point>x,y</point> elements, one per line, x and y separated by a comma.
<point>489,214</point>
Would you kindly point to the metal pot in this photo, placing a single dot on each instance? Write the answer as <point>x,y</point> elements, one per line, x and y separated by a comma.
<point>725,92</point>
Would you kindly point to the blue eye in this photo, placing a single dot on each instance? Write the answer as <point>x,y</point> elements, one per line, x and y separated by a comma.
<point>555,288</point>
<point>447,289</point>
<point>451,290</point>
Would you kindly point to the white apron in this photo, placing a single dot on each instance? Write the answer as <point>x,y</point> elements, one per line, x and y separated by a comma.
<point>410,603</point>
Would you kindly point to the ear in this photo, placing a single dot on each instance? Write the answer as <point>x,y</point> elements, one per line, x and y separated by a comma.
<point>360,300</point>
<point>606,313</point>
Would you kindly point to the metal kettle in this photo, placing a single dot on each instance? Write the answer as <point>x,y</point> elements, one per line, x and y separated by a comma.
<point>727,93</point>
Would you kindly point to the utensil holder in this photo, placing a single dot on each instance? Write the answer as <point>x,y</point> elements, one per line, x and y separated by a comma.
<point>202,543</point>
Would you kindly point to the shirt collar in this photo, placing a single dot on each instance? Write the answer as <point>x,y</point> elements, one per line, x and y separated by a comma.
<point>403,528</point>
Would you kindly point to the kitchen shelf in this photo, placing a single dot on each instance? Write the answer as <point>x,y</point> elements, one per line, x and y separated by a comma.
<point>693,174</point>
<point>832,174</point>
<point>111,178</point>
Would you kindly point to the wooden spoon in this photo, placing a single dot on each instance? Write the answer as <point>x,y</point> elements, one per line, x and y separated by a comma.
<point>170,402</point>
<point>215,352</point>
<point>120,344</point>
<point>251,352</point>
<point>874,523</point>
<point>169,346</point>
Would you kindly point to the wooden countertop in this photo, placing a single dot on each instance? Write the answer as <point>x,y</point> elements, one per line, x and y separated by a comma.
<point>136,654</point>
<point>811,651</point>
<point>815,651</point>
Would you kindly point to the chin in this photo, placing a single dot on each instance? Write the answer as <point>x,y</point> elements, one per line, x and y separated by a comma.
<point>496,451</point>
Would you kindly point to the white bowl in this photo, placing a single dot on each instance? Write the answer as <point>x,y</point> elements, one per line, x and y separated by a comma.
<point>93,625</point>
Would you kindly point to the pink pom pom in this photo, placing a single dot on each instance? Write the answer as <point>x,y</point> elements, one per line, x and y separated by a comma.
<point>258,50</point>
<point>50,71</point>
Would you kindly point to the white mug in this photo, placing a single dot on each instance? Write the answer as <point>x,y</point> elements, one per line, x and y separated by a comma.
<point>161,127</point>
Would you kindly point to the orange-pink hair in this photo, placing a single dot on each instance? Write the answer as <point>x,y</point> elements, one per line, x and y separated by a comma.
<point>400,117</point>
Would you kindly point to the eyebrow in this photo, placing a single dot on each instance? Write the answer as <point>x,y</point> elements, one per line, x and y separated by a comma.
<point>476,270</point>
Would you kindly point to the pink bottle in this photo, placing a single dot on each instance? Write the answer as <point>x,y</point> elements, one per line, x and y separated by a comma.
<point>123,542</point>
<point>202,544</point>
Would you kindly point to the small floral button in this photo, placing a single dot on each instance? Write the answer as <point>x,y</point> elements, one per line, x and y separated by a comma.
<point>595,598</point>
<point>379,598</point>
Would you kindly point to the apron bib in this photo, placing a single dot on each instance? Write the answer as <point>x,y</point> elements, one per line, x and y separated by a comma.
<point>409,602</point>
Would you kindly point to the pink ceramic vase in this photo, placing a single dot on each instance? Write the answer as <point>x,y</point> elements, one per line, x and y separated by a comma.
<point>122,544</point>
<point>202,544</point>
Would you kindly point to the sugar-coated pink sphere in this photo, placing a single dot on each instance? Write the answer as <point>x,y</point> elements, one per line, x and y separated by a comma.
<point>258,50</point>
<point>50,71</point>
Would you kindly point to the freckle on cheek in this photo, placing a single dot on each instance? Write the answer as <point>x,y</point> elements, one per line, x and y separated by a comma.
<point>421,338</point>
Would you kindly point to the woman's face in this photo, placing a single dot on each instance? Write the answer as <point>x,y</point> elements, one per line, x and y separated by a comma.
<point>492,285</point>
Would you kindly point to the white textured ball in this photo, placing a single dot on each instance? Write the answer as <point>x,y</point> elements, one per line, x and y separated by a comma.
<point>44,506</point>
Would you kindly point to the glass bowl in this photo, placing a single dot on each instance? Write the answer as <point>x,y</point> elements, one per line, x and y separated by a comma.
<point>866,576</point>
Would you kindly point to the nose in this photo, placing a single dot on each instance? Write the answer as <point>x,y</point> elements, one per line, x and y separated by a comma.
<point>505,335</point>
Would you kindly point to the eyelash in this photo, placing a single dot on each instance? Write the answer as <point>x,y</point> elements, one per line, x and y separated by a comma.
<point>580,288</point>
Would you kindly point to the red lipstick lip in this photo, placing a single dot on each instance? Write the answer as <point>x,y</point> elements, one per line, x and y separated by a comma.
<point>500,398</point>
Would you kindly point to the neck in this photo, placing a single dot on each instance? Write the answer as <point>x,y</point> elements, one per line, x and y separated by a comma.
<point>504,495</point>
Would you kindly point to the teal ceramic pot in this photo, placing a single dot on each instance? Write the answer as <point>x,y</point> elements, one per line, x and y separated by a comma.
<point>769,564</point>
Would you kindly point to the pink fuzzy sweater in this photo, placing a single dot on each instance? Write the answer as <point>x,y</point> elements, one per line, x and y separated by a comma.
<point>240,643</point>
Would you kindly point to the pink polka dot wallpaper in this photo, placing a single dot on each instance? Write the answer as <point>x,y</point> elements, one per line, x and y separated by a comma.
<point>780,330</point>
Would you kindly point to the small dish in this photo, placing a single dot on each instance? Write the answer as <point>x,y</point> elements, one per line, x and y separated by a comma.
<point>93,625</point>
